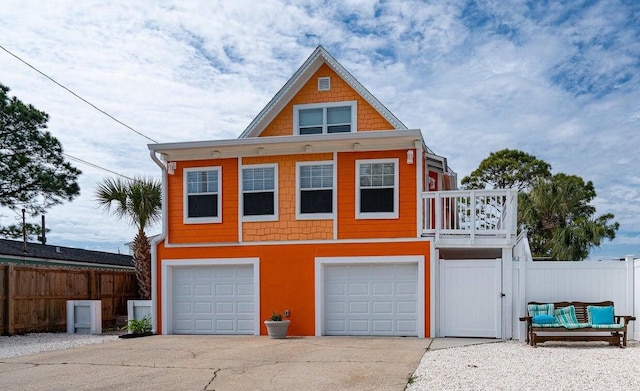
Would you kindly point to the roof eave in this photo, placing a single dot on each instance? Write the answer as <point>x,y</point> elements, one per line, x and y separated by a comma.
<point>286,145</point>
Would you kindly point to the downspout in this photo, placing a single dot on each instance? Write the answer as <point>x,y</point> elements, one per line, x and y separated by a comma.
<point>156,241</point>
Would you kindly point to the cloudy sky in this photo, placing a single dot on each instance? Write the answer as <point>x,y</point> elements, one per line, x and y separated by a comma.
<point>555,80</point>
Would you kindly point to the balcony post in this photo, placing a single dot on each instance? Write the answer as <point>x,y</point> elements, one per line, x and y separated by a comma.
<point>438,214</point>
<point>473,216</point>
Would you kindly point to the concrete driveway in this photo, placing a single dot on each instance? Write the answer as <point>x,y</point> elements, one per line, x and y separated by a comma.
<point>220,363</point>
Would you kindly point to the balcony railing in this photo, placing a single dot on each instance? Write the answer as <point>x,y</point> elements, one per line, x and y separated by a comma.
<point>470,217</point>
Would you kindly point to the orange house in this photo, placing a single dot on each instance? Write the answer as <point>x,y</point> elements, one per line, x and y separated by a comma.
<point>319,211</point>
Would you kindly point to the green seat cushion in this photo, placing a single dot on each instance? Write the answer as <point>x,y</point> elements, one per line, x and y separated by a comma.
<point>575,325</point>
<point>566,315</point>
<point>540,309</point>
<point>607,326</point>
<point>547,325</point>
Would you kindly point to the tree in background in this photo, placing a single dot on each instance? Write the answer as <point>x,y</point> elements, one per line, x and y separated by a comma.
<point>555,210</point>
<point>560,220</point>
<point>14,231</point>
<point>139,202</point>
<point>507,169</point>
<point>33,172</point>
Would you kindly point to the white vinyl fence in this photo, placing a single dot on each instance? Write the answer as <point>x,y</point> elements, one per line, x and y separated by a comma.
<point>636,296</point>
<point>577,281</point>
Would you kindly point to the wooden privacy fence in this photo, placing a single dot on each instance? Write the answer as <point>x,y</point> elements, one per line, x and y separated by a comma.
<point>33,298</point>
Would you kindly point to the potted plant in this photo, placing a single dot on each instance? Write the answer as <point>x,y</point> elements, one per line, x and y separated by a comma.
<point>276,327</point>
<point>138,328</point>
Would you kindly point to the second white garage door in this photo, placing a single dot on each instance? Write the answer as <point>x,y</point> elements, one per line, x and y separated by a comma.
<point>213,299</point>
<point>371,299</point>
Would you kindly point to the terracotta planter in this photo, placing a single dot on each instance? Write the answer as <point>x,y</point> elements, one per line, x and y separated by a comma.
<point>277,329</point>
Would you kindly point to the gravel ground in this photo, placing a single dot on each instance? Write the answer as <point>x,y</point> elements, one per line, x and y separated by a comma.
<point>516,366</point>
<point>20,345</point>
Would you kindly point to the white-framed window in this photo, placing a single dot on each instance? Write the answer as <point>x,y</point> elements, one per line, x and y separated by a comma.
<point>315,184</point>
<point>323,118</point>
<point>202,195</point>
<point>377,189</point>
<point>260,192</point>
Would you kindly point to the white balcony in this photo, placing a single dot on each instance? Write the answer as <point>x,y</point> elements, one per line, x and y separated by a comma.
<point>464,218</point>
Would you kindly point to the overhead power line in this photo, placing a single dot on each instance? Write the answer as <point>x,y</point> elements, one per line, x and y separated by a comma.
<point>78,96</point>
<point>96,166</point>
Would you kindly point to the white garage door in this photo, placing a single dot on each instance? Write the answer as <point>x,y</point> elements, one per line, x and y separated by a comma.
<point>371,299</point>
<point>213,299</point>
<point>470,301</point>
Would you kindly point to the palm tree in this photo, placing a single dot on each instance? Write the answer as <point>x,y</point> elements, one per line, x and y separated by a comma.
<point>139,202</point>
<point>560,219</point>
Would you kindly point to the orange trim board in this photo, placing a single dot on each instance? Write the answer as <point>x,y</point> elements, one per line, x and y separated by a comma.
<point>287,274</point>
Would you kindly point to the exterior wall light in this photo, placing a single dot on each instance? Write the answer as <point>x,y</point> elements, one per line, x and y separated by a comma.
<point>410,156</point>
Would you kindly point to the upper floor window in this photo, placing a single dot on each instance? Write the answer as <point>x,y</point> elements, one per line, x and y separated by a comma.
<point>203,198</point>
<point>322,118</point>
<point>259,192</point>
<point>377,189</point>
<point>314,190</point>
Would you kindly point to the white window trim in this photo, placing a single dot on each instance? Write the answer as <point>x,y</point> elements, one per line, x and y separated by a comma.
<point>315,216</point>
<point>396,186</point>
<point>185,197</point>
<point>354,114</point>
<point>274,216</point>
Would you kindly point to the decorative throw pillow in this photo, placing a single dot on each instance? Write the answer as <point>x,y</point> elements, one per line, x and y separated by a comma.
<point>544,319</point>
<point>566,315</point>
<point>600,315</point>
<point>540,309</point>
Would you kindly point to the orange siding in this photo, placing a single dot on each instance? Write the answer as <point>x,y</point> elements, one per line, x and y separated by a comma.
<point>351,228</point>
<point>287,273</point>
<point>368,117</point>
<point>227,230</point>
<point>287,227</point>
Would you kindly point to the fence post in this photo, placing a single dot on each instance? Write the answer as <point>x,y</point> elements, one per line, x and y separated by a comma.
<point>11,293</point>
<point>628,259</point>
<point>92,285</point>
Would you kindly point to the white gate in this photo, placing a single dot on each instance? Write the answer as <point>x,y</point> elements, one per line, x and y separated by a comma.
<point>470,298</point>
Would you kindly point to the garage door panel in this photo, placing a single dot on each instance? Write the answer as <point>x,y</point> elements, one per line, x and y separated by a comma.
<point>406,307</point>
<point>383,307</point>
<point>217,299</point>
<point>382,288</point>
<point>406,326</point>
<point>358,289</point>
<point>336,288</point>
<point>359,326</point>
<point>370,299</point>
<point>245,308</point>
<point>203,308</point>
<point>383,326</point>
<point>336,326</point>
<point>224,289</point>
<point>359,307</point>
<point>336,307</point>
<point>245,290</point>
<point>407,288</point>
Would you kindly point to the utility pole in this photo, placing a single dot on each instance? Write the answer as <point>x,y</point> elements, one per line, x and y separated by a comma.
<point>43,239</point>
<point>24,232</point>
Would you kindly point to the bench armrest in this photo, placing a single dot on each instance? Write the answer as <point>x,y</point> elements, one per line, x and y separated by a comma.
<point>625,319</point>
<point>527,319</point>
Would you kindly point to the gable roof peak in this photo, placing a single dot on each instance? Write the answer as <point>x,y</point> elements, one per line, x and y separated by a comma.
<point>319,56</point>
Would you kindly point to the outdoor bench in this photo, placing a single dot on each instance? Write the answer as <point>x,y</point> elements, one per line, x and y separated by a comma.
<point>576,321</point>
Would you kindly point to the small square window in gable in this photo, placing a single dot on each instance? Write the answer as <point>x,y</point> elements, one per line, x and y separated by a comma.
<point>324,83</point>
